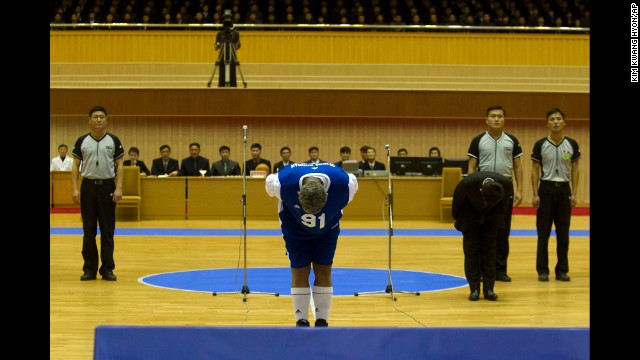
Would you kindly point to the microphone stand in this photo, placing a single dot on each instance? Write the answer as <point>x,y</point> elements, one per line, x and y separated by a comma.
<point>389,289</point>
<point>245,288</point>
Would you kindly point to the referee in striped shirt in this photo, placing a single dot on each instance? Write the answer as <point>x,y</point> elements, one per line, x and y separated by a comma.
<point>498,151</point>
<point>554,176</point>
<point>101,154</point>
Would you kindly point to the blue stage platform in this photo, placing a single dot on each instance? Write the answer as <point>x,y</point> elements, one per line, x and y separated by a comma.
<point>335,343</point>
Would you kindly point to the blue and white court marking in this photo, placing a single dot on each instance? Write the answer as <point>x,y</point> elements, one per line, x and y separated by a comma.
<point>276,232</point>
<point>346,281</point>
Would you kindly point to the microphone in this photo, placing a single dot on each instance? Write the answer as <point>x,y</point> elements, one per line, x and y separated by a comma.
<point>387,147</point>
<point>244,133</point>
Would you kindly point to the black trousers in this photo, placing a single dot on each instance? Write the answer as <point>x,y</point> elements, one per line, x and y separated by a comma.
<point>97,207</point>
<point>502,239</point>
<point>555,208</point>
<point>479,246</point>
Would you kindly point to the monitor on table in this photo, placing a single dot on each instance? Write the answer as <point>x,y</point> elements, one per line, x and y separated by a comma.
<point>431,166</point>
<point>406,165</point>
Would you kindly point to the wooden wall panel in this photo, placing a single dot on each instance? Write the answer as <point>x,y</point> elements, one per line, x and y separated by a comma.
<point>336,47</point>
<point>239,102</point>
<point>138,119</point>
<point>329,134</point>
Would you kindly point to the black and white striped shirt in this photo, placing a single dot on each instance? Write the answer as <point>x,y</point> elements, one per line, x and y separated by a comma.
<point>495,155</point>
<point>556,160</point>
<point>98,155</point>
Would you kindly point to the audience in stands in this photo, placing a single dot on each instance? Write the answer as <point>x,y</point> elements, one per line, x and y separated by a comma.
<point>379,12</point>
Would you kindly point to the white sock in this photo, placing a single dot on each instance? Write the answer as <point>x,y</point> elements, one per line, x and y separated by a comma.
<point>322,301</point>
<point>301,298</point>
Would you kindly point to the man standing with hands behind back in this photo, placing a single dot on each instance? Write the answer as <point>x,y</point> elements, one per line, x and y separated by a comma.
<point>498,151</point>
<point>102,155</point>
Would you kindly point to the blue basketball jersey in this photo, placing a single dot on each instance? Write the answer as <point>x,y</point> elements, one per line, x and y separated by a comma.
<point>293,218</point>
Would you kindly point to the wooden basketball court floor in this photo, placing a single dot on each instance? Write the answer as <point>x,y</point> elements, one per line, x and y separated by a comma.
<point>76,307</point>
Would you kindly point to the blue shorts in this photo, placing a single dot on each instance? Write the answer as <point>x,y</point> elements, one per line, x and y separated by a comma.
<point>308,248</point>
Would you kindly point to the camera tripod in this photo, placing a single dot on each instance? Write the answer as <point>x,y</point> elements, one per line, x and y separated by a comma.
<point>227,61</point>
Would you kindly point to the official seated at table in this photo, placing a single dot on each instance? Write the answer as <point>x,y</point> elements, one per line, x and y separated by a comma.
<point>251,164</point>
<point>370,163</point>
<point>165,165</point>
<point>224,166</point>
<point>192,165</point>
<point>134,154</point>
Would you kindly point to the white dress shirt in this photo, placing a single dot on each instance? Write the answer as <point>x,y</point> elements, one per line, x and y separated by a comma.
<point>58,164</point>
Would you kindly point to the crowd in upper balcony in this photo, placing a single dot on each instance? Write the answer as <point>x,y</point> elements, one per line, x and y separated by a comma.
<point>531,13</point>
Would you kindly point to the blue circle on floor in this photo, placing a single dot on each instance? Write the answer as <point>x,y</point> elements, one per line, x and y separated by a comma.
<point>346,281</point>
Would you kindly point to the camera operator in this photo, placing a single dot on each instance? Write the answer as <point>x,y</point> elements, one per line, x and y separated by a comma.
<point>227,41</point>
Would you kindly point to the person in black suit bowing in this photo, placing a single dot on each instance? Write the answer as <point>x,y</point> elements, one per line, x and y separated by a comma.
<point>192,165</point>
<point>478,207</point>
<point>224,166</point>
<point>371,163</point>
<point>165,165</point>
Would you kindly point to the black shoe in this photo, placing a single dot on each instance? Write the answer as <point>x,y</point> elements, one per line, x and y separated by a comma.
<point>321,322</point>
<point>88,275</point>
<point>503,277</point>
<point>563,277</point>
<point>490,295</point>
<point>109,276</point>
<point>474,296</point>
<point>302,323</point>
<point>543,277</point>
